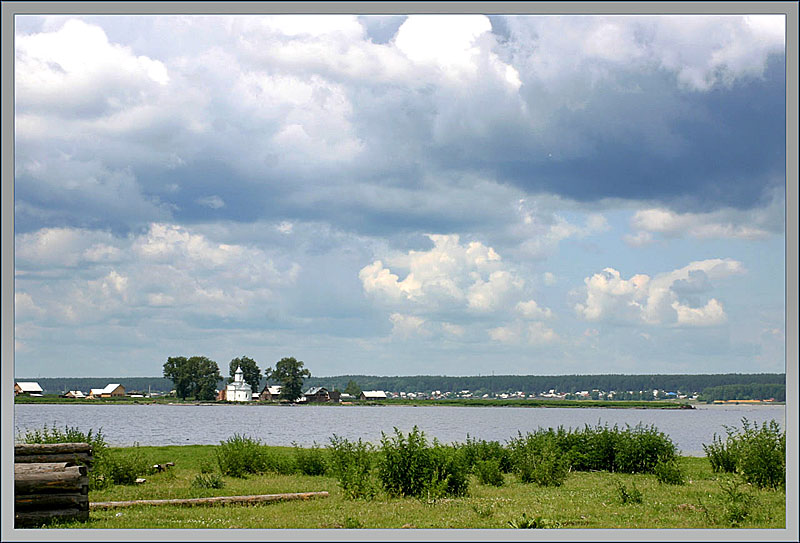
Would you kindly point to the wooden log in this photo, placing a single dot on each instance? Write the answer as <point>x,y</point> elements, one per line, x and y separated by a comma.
<point>25,449</point>
<point>72,479</point>
<point>83,458</point>
<point>218,500</point>
<point>39,502</point>
<point>41,467</point>
<point>36,518</point>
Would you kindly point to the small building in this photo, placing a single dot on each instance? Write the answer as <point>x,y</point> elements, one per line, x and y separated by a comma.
<point>113,390</point>
<point>317,395</point>
<point>74,394</point>
<point>29,388</point>
<point>270,393</point>
<point>372,395</point>
<point>335,395</point>
<point>95,392</point>
<point>238,390</point>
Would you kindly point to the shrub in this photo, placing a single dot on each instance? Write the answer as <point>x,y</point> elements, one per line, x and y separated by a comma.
<point>668,472</point>
<point>475,451</point>
<point>538,459</point>
<point>757,454</point>
<point>640,448</point>
<point>351,464</point>
<point>278,461</point>
<point>626,495</point>
<point>489,472</point>
<point>121,467</point>
<point>722,454</point>
<point>212,480</point>
<point>239,455</point>
<point>408,466</point>
<point>310,461</point>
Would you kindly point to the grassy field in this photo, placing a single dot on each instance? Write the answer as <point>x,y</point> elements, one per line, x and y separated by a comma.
<point>586,500</point>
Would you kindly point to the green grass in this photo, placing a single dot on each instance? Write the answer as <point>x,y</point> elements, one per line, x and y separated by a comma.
<point>585,500</point>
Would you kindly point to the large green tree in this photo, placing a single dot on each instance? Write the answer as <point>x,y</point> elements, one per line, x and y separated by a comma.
<point>250,371</point>
<point>289,372</point>
<point>195,377</point>
<point>353,389</point>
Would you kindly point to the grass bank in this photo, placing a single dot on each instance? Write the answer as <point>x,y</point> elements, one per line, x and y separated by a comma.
<point>584,500</point>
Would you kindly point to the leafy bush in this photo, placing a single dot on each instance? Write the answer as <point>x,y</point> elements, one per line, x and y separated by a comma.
<point>476,451</point>
<point>239,455</point>
<point>211,480</point>
<point>408,466</point>
<point>538,459</point>
<point>278,461</point>
<point>758,454</point>
<point>310,461</point>
<point>122,467</point>
<point>640,448</point>
<point>626,495</point>
<point>489,472</point>
<point>668,472</point>
<point>351,464</point>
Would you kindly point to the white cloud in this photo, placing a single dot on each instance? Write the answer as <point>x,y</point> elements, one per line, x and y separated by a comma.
<point>214,202</point>
<point>663,299</point>
<point>408,326</point>
<point>531,310</point>
<point>532,333</point>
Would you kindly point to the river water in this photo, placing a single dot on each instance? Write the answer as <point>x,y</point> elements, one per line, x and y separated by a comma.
<point>282,425</point>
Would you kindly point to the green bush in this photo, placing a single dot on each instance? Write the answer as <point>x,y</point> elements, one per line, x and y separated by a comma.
<point>668,472</point>
<point>122,467</point>
<point>640,448</point>
<point>489,472</point>
<point>351,464</point>
<point>537,458</point>
<point>736,503</point>
<point>240,455</point>
<point>757,454</point>
<point>408,466</point>
<point>310,461</point>
<point>279,461</point>
<point>476,451</point>
<point>524,522</point>
<point>212,480</point>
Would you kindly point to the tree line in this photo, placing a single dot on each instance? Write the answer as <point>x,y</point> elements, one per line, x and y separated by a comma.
<point>751,391</point>
<point>197,376</point>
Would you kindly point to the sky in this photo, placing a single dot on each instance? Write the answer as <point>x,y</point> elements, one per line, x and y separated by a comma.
<point>392,195</point>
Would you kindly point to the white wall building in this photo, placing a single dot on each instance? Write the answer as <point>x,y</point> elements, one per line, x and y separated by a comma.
<point>239,391</point>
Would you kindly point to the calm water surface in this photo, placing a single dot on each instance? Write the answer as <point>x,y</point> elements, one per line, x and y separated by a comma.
<point>282,425</point>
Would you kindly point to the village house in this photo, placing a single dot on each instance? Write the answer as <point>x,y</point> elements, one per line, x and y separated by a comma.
<point>114,390</point>
<point>270,393</point>
<point>372,395</point>
<point>27,388</point>
<point>74,394</point>
<point>317,395</point>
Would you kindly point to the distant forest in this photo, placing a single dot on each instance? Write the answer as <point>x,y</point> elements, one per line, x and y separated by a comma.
<point>711,386</point>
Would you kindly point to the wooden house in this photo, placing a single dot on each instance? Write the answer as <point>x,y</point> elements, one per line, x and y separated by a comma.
<point>372,395</point>
<point>317,395</point>
<point>270,393</point>
<point>29,388</point>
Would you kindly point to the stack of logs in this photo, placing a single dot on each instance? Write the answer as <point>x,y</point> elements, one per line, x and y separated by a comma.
<point>50,482</point>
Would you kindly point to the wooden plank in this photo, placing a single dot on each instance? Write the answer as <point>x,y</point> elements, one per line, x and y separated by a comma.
<point>217,500</point>
<point>25,449</point>
<point>72,479</point>
<point>35,518</point>
<point>39,502</point>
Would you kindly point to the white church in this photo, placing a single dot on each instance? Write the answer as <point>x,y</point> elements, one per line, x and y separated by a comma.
<point>238,390</point>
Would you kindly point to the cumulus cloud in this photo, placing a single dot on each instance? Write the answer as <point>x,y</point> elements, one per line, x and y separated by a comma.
<point>667,298</point>
<point>533,333</point>
<point>168,266</point>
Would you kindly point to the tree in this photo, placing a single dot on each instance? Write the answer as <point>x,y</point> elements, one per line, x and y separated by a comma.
<point>250,370</point>
<point>196,376</point>
<point>353,389</point>
<point>289,372</point>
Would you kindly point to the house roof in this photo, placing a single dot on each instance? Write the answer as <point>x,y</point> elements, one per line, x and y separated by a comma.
<point>95,391</point>
<point>374,394</point>
<point>76,393</point>
<point>315,390</point>
<point>110,388</point>
<point>29,386</point>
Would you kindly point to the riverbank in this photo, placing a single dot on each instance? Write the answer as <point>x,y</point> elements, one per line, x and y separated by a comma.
<point>462,402</point>
<point>586,500</point>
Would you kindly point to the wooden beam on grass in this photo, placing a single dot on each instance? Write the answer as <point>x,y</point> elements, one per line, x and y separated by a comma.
<point>217,500</point>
